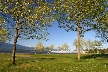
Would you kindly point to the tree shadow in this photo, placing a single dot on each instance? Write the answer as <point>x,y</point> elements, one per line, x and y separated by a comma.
<point>41,59</point>
<point>102,56</point>
<point>29,60</point>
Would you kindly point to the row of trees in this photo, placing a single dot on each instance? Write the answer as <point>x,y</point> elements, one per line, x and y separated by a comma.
<point>64,47</point>
<point>97,50</point>
<point>30,18</point>
<point>40,47</point>
<point>87,44</point>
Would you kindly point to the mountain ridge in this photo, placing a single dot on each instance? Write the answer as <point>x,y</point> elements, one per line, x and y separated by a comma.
<point>9,46</point>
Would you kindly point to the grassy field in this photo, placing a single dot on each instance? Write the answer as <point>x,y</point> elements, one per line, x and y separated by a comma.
<point>54,63</point>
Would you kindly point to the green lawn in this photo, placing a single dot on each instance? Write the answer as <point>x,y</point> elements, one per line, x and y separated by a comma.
<point>54,63</point>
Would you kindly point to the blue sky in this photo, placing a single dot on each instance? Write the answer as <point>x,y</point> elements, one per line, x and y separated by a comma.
<point>58,37</point>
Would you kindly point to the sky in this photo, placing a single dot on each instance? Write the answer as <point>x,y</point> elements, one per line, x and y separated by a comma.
<point>58,37</point>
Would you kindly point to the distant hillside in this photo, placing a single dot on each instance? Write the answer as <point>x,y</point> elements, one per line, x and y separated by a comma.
<point>9,47</point>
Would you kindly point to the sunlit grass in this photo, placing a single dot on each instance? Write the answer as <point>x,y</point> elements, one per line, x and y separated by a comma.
<point>53,63</point>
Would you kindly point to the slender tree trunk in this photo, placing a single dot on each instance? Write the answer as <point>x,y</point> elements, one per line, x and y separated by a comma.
<point>78,43</point>
<point>15,41</point>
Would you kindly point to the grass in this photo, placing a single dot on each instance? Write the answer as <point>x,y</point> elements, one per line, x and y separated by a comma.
<point>54,63</point>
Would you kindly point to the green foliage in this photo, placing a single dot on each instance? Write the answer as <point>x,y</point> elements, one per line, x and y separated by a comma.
<point>3,36</point>
<point>39,47</point>
<point>60,48</point>
<point>33,18</point>
<point>52,63</point>
<point>78,13</point>
<point>106,50</point>
<point>3,31</point>
<point>47,48</point>
<point>97,43</point>
<point>82,43</point>
<point>51,47</point>
<point>91,51</point>
<point>65,46</point>
<point>101,27</point>
<point>93,44</point>
<point>88,44</point>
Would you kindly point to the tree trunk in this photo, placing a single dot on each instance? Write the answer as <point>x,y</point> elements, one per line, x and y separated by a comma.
<point>78,43</point>
<point>15,41</point>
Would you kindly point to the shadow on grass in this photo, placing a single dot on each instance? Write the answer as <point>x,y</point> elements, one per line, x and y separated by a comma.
<point>41,59</point>
<point>103,56</point>
<point>36,58</point>
<point>31,60</point>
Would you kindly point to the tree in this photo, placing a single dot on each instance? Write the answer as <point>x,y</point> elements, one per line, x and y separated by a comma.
<point>51,47</point>
<point>75,43</point>
<point>60,48</point>
<point>78,15</point>
<point>47,48</point>
<point>89,44</point>
<point>65,46</point>
<point>82,43</point>
<point>97,43</point>
<point>3,32</point>
<point>3,36</point>
<point>27,19</point>
<point>39,47</point>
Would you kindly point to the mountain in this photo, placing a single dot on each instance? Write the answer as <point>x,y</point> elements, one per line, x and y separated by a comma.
<point>8,46</point>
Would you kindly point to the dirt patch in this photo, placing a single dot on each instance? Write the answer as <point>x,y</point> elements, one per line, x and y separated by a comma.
<point>23,55</point>
<point>23,66</point>
<point>3,64</point>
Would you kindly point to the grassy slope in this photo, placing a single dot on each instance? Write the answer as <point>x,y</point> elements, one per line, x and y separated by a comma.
<point>53,63</point>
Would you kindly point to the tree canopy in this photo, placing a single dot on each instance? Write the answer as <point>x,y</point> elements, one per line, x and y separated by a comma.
<point>33,17</point>
<point>101,27</point>
<point>81,13</point>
